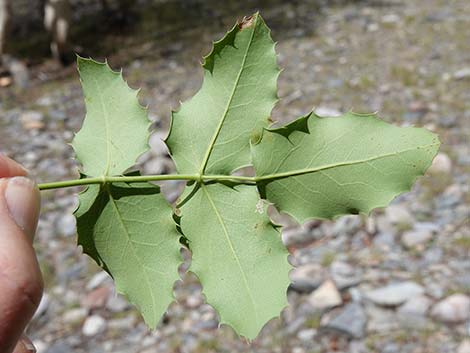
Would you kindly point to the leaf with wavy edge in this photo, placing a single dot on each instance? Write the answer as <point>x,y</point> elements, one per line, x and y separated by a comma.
<point>210,133</point>
<point>238,255</point>
<point>325,167</point>
<point>128,229</point>
<point>115,129</point>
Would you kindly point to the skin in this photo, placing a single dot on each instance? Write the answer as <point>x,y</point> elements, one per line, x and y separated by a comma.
<point>21,282</point>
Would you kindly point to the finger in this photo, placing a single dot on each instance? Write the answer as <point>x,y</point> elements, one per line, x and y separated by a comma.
<point>25,346</point>
<point>20,279</point>
<point>9,168</point>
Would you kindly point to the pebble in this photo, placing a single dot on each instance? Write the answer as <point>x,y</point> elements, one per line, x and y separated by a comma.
<point>93,326</point>
<point>306,278</point>
<point>32,120</point>
<point>66,225</point>
<point>464,347</point>
<point>399,214</point>
<point>74,315</point>
<point>307,335</point>
<point>97,280</point>
<point>344,275</point>
<point>453,309</point>
<point>325,297</point>
<point>418,306</point>
<point>414,238</point>
<point>117,303</point>
<point>462,73</point>
<point>350,321</point>
<point>441,164</point>
<point>394,294</point>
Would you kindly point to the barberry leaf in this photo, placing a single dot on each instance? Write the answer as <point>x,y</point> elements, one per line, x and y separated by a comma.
<point>128,229</point>
<point>320,167</point>
<point>238,255</point>
<point>115,130</point>
<point>210,133</point>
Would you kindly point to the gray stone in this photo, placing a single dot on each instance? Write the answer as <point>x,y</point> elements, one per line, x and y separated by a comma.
<point>416,306</point>
<point>66,225</point>
<point>381,320</point>
<point>350,321</point>
<point>325,297</point>
<point>399,214</point>
<point>344,275</point>
<point>453,309</point>
<point>394,294</point>
<point>307,335</point>
<point>462,73</point>
<point>347,225</point>
<point>93,326</point>
<point>117,303</point>
<point>97,280</point>
<point>59,347</point>
<point>306,278</point>
<point>414,238</point>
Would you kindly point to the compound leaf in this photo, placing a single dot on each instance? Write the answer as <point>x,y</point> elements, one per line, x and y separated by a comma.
<point>238,255</point>
<point>343,165</point>
<point>210,133</point>
<point>115,130</point>
<point>128,229</point>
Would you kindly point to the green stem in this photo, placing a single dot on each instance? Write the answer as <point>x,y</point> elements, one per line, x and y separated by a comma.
<point>143,178</point>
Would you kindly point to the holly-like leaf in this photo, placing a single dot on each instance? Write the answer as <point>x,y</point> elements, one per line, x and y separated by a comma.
<point>238,255</point>
<point>115,130</point>
<point>325,167</point>
<point>129,230</point>
<point>210,133</point>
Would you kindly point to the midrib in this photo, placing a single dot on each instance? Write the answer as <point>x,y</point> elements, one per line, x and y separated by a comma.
<point>335,165</point>
<point>227,107</point>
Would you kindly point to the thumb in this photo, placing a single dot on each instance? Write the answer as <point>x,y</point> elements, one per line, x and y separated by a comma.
<point>20,279</point>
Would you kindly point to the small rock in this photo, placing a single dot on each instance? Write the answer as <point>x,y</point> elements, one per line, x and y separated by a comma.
<point>307,335</point>
<point>117,304</point>
<point>448,121</point>
<point>66,225</point>
<point>390,18</point>
<point>306,278</point>
<point>74,315</point>
<point>453,309</point>
<point>462,74</point>
<point>32,120</point>
<point>381,320</point>
<point>350,321</point>
<point>325,297</point>
<point>347,225</point>
<point>344,275</point>
<point>327,112</point>
<point>441,164</point>
<point>418,306</point>
<point>93,326</point>
<point>398,214</point>
<point>394,294</point>
<point>193,301</point>
<point>464,347</point>
<point>97,298</point>
<point>97,280</point>
<point>416,237</point>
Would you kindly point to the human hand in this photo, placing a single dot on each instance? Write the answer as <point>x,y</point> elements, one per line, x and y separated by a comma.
<point>21,282</point>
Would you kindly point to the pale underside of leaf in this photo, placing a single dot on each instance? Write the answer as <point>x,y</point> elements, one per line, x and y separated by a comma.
<point>344,165</point>
<point>238,255</point>
<point>130,232</point>
<point>210,133</point>
<point>115,130</point>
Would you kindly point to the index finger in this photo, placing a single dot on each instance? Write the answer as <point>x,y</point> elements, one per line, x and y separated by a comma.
<point>9,168</point>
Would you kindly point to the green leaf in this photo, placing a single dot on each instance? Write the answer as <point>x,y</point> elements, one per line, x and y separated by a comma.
<point>238,255</point>
<point>210,133</point>
<point>115,130</point>
<point>129,230</point>
<point>335,166</point>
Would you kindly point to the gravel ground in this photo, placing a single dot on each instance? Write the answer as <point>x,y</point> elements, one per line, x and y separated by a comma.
<point>396,282</point>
